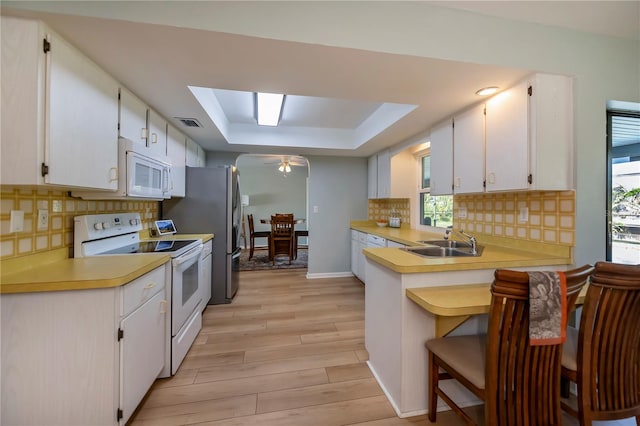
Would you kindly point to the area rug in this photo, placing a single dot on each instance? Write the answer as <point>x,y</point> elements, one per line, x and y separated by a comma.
<point>260,261</point>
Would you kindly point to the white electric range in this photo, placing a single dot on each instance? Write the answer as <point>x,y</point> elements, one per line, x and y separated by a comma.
<point>116,234</point>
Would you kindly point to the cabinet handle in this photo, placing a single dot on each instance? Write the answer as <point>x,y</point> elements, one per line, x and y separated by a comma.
<point>163,306</point>
<point>113,174</point>
<point>150,285</point>
<point>491,177</point>
<point>144,133</point>
<point>154,138</point>
<point>456,182</point>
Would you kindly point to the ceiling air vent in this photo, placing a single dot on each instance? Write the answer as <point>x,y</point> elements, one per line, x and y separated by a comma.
<point>189,122</point>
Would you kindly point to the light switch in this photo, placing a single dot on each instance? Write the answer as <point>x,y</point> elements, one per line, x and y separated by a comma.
<point>17,221</point>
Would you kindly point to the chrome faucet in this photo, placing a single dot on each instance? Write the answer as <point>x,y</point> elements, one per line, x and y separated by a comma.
<point>471,238</point>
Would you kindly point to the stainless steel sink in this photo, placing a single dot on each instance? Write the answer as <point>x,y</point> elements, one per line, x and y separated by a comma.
<point>446,243</point>
<point>443,251</point>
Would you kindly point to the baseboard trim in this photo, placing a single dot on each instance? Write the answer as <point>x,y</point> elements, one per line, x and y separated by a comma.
<point>329,275</point>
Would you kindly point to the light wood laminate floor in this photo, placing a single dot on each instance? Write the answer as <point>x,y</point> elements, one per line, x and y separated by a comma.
<point>287,351</point>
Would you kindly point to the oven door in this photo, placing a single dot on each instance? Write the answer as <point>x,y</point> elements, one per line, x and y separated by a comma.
<point>186,295</point>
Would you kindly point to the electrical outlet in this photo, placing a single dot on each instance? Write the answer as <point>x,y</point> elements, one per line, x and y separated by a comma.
<point>462,213</point>
<point>43,220</point>
<point>524,214</point>
<point>16,223</point>
<point>56,206</point>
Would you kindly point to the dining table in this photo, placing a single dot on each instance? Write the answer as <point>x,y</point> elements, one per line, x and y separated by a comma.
<point>296,221</point>
<point>453,305</point>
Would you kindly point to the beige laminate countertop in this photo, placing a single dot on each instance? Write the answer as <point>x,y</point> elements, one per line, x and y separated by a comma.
<point>502,253</point>
<point>54,271</point>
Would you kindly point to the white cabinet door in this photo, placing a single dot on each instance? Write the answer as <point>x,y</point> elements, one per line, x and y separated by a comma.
<point>202,157</point>
<point>468,151</point>
<point>384,174</point>
<point>133,119</point>
<point>362,263</point>
<point>157,136</point>
<point>354,253</point>
<point>441,153</point>
<point>83,113</point>
<point>372,177</point>
<point>141,352</point>
<point>177,156</point>
<point>507,140</point>
<point>58,111</point>
<point>192,154</point>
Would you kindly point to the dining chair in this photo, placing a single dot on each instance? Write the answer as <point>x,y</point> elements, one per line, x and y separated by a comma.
<point>603,356</point>
<point>253,234</point>
<point>519,383</point>
<point>282,236</point>
<point>297,235</point>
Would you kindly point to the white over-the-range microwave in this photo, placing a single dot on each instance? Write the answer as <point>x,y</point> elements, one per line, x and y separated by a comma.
<point>138,176</point>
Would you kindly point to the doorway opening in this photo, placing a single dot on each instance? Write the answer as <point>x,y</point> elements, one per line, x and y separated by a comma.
<point>623,187</point>
<point>271,184</point>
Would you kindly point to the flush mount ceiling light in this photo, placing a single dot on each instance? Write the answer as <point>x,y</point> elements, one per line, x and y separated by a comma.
<point>486,91</point>
<point>268,108</point>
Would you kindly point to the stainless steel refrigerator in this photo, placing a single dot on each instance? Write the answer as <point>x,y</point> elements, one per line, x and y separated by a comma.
<point>212,206</point>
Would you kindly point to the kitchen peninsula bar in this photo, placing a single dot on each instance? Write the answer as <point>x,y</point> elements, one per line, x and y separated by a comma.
<point>396,327</point>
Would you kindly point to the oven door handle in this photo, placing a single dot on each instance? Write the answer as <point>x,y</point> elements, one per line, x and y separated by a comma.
<point>196,252</point>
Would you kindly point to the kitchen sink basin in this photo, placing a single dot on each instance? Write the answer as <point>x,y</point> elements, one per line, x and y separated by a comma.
<point>443,251</point>
<point>446,243</point>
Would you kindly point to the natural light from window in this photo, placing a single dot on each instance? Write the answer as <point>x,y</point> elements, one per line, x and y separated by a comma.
<point>435,211</point>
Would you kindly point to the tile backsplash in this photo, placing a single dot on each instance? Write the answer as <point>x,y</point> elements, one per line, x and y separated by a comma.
<point>551,215</point>
<point>60,227</point>
<point>382,208</point>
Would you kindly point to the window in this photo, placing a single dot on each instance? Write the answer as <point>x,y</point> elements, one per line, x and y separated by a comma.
<point>434,210</point>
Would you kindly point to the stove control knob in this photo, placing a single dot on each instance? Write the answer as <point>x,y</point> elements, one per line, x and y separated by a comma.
<point>97,226</point>
<point>133,221</point>
<point>106,225</point>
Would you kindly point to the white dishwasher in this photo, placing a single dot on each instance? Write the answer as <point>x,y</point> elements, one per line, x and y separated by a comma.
<point>375,241</point>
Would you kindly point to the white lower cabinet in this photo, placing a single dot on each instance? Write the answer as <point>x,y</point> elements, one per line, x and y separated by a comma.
<point>354,252</point>
<point>206,274</point>
<point>82,357</point>
<point>394,244</point>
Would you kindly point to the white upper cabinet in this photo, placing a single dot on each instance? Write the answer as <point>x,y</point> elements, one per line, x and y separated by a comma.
<point>195,154</point>
<point>144,127</point>
<point>177,153</point>
<point>157,143</point>
<point>468,151</point>
<point>133,119</point>
<point>59,112</point>
<point>441,153</point>
<point>384,174</point>
<point>529,136</point>
<point>391,176</point>
<point>372,177</point>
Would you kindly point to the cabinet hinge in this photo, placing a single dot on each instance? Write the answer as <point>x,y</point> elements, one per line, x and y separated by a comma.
<point>44,169</point>
<point>530,90</point>
<point>118,414</point>
<point>530,179</point>
<point>484,110</point>
<point>46,45</point>
<point>120,334</point>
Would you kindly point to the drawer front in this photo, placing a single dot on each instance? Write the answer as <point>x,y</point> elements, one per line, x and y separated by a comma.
<point>142,289</point>
<point>362,237</point>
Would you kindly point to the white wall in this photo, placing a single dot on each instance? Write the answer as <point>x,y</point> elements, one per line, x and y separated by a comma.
<point>605,68</point>
<point>338,187</point>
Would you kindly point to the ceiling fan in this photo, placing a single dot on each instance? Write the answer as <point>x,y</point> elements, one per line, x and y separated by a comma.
<point>285,162</point>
